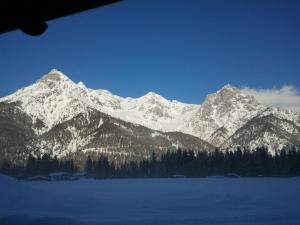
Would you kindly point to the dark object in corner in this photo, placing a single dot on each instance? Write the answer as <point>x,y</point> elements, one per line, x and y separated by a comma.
<point>31,16</point>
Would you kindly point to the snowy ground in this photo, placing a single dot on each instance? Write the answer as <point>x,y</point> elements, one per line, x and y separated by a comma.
<point>208,201</point>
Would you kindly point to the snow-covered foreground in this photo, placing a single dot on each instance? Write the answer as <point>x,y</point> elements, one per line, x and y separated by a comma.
<point>151,201</point>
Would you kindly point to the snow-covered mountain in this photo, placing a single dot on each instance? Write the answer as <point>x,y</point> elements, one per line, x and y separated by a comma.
<point>55,98</point>
<point>216,120</point>
<point>54,101</point>
<point>57,116</point>
<point>269,131</point>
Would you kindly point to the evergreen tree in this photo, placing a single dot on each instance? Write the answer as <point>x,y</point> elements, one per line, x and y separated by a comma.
<point>88,165</point>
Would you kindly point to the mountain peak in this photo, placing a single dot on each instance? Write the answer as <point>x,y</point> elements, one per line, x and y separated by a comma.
<point>229,87</point>
<point>226,93</point>
<point>151,95</point>
<point>54,75</point>
<point>54,71</point>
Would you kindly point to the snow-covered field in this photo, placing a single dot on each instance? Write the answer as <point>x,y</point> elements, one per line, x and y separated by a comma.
<point>208,201</point>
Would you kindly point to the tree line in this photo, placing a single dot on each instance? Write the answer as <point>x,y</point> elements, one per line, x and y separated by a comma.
<point>188,163</point>
<point>42,165</point>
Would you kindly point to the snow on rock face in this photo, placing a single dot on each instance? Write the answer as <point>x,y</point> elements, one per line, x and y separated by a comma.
<point>55,98</point>
<point>269,131</point>
<point>150,110</point>
<point>228,110</point>
<point>216,120</point>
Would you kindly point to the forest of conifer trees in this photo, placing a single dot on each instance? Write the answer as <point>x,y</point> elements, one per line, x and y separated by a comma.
<point>185,163</point>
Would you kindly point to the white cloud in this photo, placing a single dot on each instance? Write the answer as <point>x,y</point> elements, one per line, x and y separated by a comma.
<point>287,97</point>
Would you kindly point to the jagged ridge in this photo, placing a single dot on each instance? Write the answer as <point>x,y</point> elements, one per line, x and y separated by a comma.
<point>55,100</point>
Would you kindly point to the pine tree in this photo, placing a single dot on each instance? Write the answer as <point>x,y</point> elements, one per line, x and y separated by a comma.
<point>88,165</point>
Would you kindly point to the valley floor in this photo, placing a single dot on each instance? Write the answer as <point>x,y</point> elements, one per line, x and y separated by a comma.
<point>241,201</point>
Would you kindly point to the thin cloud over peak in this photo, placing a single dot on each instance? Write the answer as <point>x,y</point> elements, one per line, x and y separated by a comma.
<point>287,97</point>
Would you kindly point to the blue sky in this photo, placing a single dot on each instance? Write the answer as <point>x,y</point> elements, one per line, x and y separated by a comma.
<point>180,49</point>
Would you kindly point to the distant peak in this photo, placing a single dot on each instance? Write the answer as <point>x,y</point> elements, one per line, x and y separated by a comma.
<point>54,75</point>
<point>227,91</point>
<point>55,71</point>
<point>153,95</point>
<point>229,87</point>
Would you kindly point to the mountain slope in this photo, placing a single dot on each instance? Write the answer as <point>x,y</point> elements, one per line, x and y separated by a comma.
<point>219,116</point>
<point>99,133</point>
<point>60,116</point>
<point>222,113</point>
<point>16,132</point>
<point>268,131</point>
<point>53,99</point>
